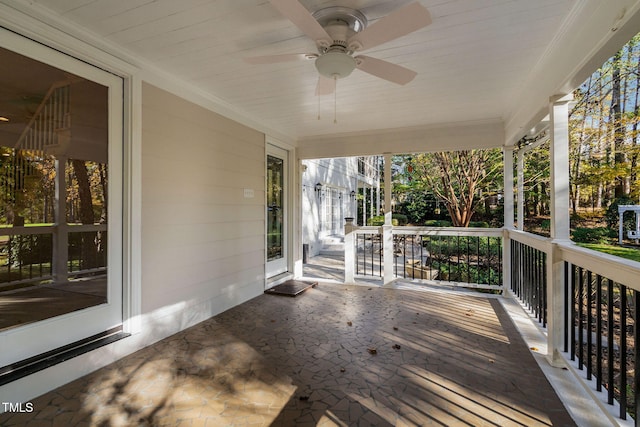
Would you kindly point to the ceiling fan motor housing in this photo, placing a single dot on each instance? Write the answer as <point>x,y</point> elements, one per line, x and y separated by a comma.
<point>341,23</point>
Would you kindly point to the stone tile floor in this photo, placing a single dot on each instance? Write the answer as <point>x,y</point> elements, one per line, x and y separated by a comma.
<point>337,355</point>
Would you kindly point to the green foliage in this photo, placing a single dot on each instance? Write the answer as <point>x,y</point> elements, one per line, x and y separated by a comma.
<point>479,224</point>
<point>460,180</point>
<point>613,217</point>
<point>417,205</point>
<point>28,250</point>
<point>469,274</point>
<point>437,223</point>
<point>593,235</point>
<point>396,219</point>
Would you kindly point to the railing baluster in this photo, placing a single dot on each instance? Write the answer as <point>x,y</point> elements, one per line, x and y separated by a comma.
<point>488,259</point>
<point>543,273</point>
<point>357,254</point>
<point>636,359</point>
<point>589,323</point>
<point>599,332</point>
<point>448,248</point>
<point>373,246</point>
<point>567,301</point>
<point>20,255</point>
<point>610,341</point>
<point>468,260</point>
<point>623,352</point>
<point>573,312</point>
<point>31,246</point>
<point>380,256</point>
<point>580,318</point>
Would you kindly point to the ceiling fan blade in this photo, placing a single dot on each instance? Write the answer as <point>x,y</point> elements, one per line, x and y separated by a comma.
<point>398,23</point>
<point>273,59</point>
<point>325,86</point>
<point>385,70</point>
<point>300,16</point>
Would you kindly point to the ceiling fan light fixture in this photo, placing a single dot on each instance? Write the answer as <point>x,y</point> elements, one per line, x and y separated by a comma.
<point>335,65</point>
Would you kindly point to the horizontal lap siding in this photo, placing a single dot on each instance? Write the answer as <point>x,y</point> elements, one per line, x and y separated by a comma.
<point>201,238</point>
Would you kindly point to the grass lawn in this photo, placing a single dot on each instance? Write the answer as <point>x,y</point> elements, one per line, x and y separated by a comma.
<point>628,253</point>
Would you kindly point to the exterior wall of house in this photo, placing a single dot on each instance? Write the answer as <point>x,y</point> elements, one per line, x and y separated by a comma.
<point>324,207</point>
<point>202,240</point>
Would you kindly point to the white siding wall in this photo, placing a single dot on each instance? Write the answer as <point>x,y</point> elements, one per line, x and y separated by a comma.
<point>202,240</point>
<point>338,173</point>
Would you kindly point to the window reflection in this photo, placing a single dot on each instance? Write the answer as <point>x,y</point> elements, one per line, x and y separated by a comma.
<point>53,191</point>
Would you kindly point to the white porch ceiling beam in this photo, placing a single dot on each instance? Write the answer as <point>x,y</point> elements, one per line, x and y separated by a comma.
<point>451,137</point>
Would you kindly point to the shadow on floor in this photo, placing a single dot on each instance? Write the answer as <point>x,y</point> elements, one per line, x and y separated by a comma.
<point>335,355</point>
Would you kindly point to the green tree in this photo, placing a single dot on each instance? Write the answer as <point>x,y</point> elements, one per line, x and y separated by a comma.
<point>459,179</point>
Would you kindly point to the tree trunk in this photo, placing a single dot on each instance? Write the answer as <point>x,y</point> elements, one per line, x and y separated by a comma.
<point>87,240</point>
<point>619,129</point>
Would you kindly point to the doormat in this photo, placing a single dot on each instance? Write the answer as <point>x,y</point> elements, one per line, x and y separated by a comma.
<point>291,288</point>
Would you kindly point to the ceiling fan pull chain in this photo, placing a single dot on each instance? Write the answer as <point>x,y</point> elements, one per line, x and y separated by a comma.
<point>318,106</point>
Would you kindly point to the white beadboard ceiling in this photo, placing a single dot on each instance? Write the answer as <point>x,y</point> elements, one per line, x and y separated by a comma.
<point>471,61</point>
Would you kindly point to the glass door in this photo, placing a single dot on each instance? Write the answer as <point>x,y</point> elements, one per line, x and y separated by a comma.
<point>61,199</point>
<point>276,211</point>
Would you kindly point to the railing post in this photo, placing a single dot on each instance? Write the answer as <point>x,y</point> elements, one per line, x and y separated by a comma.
<point>349,250</point>
<point>555,307</point>
<point>506,261</point>
<point>387,255</point>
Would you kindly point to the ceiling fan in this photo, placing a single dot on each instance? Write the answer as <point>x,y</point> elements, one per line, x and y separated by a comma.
<point>340,32</point>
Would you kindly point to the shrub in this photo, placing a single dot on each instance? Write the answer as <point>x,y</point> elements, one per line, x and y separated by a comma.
<point>479,224</point>
<point>593,235</point>
<point>437,223</point>
<point>396,219</point>
<point>613,217</point>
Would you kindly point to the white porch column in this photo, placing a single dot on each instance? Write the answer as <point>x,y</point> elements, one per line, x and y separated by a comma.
<point>387,228</point>
<point>378,196</point>
<point>60,235</point>
<point>559,153</point>
<point>507,153</point>
<point>521,190</point>
<point>508,187</point>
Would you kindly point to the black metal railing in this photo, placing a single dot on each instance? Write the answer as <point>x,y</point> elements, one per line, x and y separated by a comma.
<point>601,334</point>
<point>87,251</point>
<point>464,256</point>
<point>25,258</point>
<point>529,278</point>
<point>369,254</point>
<point>449,256</point>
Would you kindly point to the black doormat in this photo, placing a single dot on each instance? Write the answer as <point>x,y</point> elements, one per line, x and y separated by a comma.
<point>291,288</point>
